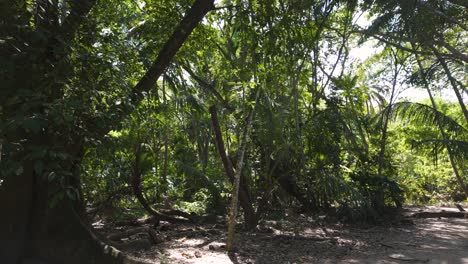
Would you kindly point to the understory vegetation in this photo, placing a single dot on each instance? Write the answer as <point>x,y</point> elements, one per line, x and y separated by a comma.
<point>171,109</point>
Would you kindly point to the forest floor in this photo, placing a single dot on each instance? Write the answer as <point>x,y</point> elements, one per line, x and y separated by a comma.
<point>311,239</point>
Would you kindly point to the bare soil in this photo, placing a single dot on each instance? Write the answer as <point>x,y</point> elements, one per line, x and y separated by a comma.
<point>310,239</point>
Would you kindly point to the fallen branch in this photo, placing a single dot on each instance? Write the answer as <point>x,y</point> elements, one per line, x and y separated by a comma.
<point>138,244</point>
<point>153,236</point>
<point>192,217</point>
<point>151,220</point>
<point>440,214</point>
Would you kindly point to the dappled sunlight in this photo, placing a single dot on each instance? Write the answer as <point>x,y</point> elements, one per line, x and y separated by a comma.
<point>280,131</point>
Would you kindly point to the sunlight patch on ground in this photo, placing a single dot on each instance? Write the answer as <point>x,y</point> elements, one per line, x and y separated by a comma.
<point>180,255</point>
<point>192,242</point>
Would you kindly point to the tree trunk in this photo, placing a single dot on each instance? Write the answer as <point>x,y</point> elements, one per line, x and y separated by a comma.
<point>453,82</point>
<point>16,207</point>
<point>237,180</point>
<point>138,192</point>
<point>31,229</point>
<point>289,184</point>
<point>249,212</point>
<point>441,129</point>
<point>385,115</point>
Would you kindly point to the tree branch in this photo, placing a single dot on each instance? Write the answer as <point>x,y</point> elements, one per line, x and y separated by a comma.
<point>193,16</point>
<point>207,86</point>
<point>180,34</point>
<point>456,53</point>
<point>453,55</point>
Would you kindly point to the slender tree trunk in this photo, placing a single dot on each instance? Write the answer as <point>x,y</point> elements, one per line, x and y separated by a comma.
<point>441,129</point>
<point>136,186</point>
<point>385,116</point>
<point>138,192</point>
<point>249,212</point>
<point>298,121</point>
<point>166,160</point>
<point>237,178</point>
<point>453,82</point>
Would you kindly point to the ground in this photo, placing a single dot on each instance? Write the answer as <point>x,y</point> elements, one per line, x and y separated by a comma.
<point>309,239</point>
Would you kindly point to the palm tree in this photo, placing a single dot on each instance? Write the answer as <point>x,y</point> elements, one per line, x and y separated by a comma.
<point>454,135</point>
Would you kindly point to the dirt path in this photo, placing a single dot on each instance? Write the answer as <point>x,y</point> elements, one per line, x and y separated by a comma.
<point>428,241</point>
<point>303,240</point>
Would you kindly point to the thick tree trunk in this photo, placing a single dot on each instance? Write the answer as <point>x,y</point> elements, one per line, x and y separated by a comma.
<point>15,206</point>
<point>30,228</point>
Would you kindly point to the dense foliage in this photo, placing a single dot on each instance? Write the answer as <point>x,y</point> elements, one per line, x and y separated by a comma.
<point>86,109</point>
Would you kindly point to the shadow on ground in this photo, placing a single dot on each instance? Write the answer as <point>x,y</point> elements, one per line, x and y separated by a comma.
<point>423,241</point>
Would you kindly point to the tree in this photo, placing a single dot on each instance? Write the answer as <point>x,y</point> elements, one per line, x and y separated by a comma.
<point>403,24</point>
<point>75,73</point>
<point>441,128</point>
<point>42,146</point>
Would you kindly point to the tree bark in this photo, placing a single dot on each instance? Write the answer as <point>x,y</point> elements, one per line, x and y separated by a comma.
<point>31,228</point>
<point>236,184</point>
<point>16,206</point>
<point>181,33</point>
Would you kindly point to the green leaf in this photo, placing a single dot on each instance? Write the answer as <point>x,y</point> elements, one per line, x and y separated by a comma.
<point>71,193</point>
<point>52,175</point>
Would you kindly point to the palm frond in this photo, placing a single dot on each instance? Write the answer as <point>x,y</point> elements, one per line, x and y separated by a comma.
<point>421,114</point>
<point>459,148</point>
